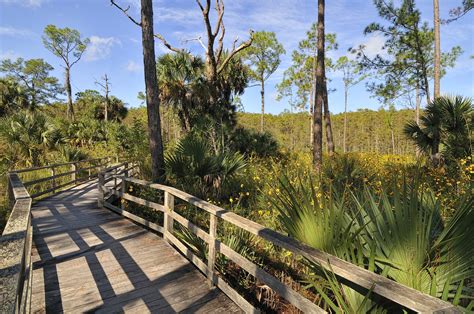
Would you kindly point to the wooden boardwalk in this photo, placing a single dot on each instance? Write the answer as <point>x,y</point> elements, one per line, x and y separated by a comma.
<point>87,259</point>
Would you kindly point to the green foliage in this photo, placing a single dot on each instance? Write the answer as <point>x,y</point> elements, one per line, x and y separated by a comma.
<point>64,43</point>
<point>253,143</point>
<point>299,80</point>
<point>408,48</point>
<point>70,153</point>
<point>13,97</point>
<point>31,135</point>
<point>33,77</point>
<point>398,232</point>
<point>194,167</point>
<point>197,101</point>
<point>367,130</point>
<point>447,121</point>
<point>91,104</point>
<point>263,55</point>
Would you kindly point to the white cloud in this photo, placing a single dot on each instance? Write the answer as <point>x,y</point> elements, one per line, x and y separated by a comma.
<point>132,66</point>
<point>100,47</point>
<point>14,32</point>
<point>25,3</point>
<point>373,46</point>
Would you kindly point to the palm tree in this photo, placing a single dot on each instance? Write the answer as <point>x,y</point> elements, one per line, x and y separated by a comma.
<point>182,87</point>
<point>194,166</point>
<point>29,133</point>
<point>447,121</point>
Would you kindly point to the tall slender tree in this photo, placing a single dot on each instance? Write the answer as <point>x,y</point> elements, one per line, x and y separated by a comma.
<point>67,44</point>
<point>264,59</point>
<point>34,78</point>
<point>151,87</point>
<point>106,88</point>
<point>408,59</point>
<point>437,49</point>
<point>320,75</point>
<point>351,76</point>
<point>299,80</point>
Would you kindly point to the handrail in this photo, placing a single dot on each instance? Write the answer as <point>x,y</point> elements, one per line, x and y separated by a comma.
<point>58,165</point>
<point>389,289</point>
<point>15,251</point>
<point>77,167</point>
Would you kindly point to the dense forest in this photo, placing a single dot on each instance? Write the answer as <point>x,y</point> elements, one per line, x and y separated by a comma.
<point>388,190</point>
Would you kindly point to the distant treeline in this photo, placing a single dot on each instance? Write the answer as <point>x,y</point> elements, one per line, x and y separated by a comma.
<point>367,130</point>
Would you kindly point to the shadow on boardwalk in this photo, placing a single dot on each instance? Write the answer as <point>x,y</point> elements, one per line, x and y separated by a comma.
<point>88,259</point>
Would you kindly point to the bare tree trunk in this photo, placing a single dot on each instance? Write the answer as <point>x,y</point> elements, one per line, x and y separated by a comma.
<point>345,118</point>
<point>319,99</point>
<point>311,119</point>
<point>70,109</point>
<point>393,140</point>
<point>417,113</point>
<point>152,92</point>
<point>437,54</point>
<point>107,100</point>
<point>327,120</point>
<point>262,93</point>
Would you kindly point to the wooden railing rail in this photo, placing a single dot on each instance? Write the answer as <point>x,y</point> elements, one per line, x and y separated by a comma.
<point>389,289</point>
<point>77,167</point>
<point>15,251</point>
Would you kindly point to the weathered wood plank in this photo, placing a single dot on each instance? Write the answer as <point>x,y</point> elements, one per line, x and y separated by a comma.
<point>406,296</point>
<point>135,218</point>
<point>111,274</point>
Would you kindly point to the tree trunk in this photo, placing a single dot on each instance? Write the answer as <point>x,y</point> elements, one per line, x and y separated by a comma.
<point>152,92</point>
<point>262,93</point>
<point>311,118</point>
<point>319,99</point>
<point>345,118</point>
<point>393,140</point>
<point>417,113</point>
<point>437,54</point>
<point>107,100</point>
<point>70,109</point>
<point>327,120</point>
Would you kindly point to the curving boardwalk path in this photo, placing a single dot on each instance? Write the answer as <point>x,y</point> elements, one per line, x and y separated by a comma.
<point>87,259</point>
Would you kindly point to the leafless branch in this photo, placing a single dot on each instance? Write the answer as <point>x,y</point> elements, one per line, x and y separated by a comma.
<point>220,46</point>
<point>125,11</point>
<point>167,44</point>
<point>198,39</point>
<point>235,51</point>
<point>220,15</point>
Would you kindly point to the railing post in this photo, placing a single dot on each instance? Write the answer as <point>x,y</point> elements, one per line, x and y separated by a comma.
<point>74,174</point>
<point>11,196</point>
<point>123,190</point>
<point>100,198</point>
<point>168,220</point>
<point>115,179</point>
<point>53,174</point>
<point>125,171</point>
<point>211,256</point>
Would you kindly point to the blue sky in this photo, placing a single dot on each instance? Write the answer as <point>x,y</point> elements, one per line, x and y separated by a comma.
<point>115,42</point>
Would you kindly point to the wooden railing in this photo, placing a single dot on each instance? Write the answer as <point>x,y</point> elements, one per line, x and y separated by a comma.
<point>90,167</point>
<point>16,240</point>
<point>407,297</point>
<point>15,251</point>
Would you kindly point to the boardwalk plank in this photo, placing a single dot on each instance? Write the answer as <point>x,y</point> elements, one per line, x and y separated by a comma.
<point>90,259</point>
